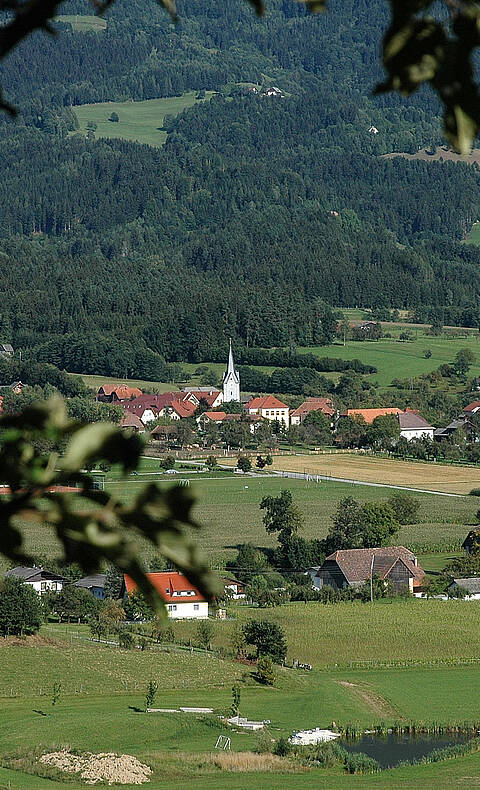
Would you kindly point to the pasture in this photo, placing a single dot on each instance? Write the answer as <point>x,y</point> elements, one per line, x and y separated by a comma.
<point>103,689</point>
<point>141,121</point>
<point>395,358</point>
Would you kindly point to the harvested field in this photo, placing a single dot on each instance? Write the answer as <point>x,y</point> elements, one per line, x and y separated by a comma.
<point>428,476</point>
<point>107,767</point>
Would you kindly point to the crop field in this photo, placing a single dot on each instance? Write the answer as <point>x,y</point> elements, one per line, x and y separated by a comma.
<point>227,507</point>
<point>140,121</point>
<point>83,23</point>
<point>353,466</point>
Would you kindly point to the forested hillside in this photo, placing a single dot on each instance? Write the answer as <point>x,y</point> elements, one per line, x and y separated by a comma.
<point>256,214</point>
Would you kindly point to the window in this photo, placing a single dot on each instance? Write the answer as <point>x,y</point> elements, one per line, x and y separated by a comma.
<point>196,607</point>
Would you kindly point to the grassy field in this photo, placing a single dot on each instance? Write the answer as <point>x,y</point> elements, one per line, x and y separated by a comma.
<point>227,507</point>
<point>474,235</point>
<point>394,358</point>
<point>103,693</point>
<point>434,477</point>
<point>83,23</point>
<point>139,121</point>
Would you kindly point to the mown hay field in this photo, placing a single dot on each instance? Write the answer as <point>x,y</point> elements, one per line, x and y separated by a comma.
<point>354,466</point>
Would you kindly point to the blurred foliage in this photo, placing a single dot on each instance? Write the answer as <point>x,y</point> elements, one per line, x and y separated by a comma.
<point>92,526</point>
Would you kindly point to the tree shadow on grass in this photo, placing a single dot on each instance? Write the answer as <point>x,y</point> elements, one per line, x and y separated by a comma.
<point>137,710</point>
<point>40,712</point>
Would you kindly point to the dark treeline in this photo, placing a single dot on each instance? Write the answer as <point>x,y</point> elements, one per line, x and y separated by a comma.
<point>255,216</point>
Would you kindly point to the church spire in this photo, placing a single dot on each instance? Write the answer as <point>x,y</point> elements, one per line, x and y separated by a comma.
<point>231,379</point>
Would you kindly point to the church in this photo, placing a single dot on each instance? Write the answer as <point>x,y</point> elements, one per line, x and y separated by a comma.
<point>231,380</point>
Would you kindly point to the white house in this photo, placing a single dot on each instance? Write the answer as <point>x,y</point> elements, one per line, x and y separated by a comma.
<point>269,407</point>
<point>234,587</point>
<point>182,599</point>
<point>42,581</point>
<point>412,426</point>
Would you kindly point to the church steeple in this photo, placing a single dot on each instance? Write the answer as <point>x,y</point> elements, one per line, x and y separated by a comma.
<point>231,380</point>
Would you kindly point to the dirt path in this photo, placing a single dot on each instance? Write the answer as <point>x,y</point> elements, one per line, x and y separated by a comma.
<point>378,704</point>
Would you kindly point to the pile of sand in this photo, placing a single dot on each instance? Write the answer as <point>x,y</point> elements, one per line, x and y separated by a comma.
<point>105,767</point>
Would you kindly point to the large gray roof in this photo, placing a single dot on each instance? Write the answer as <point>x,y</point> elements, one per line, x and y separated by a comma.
<point>32,574</point>
<point>471,584</point>
<point>95,580</point>
<point>410,421</point>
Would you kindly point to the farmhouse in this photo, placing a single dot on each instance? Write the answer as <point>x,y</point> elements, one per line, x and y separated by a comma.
<point>470,585</point>
<point>108,393</point>
<point>325,405</point>
<point>42,581</point>
<point>234,587</point>
<point>413,426</point>
<point>211,418</point>
<point>369,415</point>
<point>132,422</point>
<point>95,584</point>
<point>353,567</point>
<point>182,599</point>
<point>460,424</point>
<point>472,408</point>
<point>269,407</point>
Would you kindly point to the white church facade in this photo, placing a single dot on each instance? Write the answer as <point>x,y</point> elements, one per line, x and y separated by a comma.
<point>231,380</point>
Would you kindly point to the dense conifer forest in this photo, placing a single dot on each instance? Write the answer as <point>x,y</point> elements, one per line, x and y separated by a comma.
<point>257,213</point>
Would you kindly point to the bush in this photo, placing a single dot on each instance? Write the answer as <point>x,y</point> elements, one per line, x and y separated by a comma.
<point>359,763</point>
<point>475,492</point>
<point>265,673</point>
<point>282,747</point>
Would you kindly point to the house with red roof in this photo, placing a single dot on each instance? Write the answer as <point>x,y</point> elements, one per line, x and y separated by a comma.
<point>109,393</point>
<point>133,423</point>
<point>325,405</point>
<point>269,407</point>
<point>182,599</point>
<point>472,408</point>
<point>369,415</point>
<point>175,405</point>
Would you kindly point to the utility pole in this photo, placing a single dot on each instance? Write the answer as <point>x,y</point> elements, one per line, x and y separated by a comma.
<point>371,578</point>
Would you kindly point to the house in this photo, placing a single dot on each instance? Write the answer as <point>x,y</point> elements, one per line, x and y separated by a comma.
<point>95,584</point>
<point>6,350</point>
<point>472,408</point>
<point>269,407</point>
<point>42,581</point>
<point>373,130</point>
<point>149,407</point>
<point>211,418</point>
<point>413,426</point>
<point>273,91</point>
<point>369,415</point>
<point>133,423</point>
<point>470,584</point>
<point>182,599</point>
<point>325,405</point>
<point>236,588</point>
<point>353,567</point>
<point>16,387</point>
<point>471,544</point>
<point>211,395</point>
<point>164,433</point>
<point>108,393</point>
<point>461,423</point>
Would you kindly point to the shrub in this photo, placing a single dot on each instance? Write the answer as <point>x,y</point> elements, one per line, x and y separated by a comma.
<point>282,747</point>
<point>475,492</point>
<point>359,763</point>
<point>265,673</point>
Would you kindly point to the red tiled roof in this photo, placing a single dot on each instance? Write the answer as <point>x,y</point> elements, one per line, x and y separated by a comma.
<point>183,409</point>
<point>472,406</point>
<point>369,415</point>
<point>155,402</point>
<point>121,390</point>
<point>267,402</point>
<point>324,405</point>
<point>170,585</point>
<point>208,397</point>
<point>215,416</point>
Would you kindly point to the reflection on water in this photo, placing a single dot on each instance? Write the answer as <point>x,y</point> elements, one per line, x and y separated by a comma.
<point>389,750</point>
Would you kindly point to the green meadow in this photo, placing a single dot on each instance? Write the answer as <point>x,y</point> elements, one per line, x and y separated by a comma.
<point>83,23</point>
<point>103,687</point>
<point>140,121</point>
<point>474,235</point>
<point>227,507</point>
<point>395,358</point>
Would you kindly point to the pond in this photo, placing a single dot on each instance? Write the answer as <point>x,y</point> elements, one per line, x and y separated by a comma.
<point>389,750</point>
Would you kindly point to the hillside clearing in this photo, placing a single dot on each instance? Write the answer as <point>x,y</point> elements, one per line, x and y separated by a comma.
<point>83,23</point>
<point>139,121</point>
